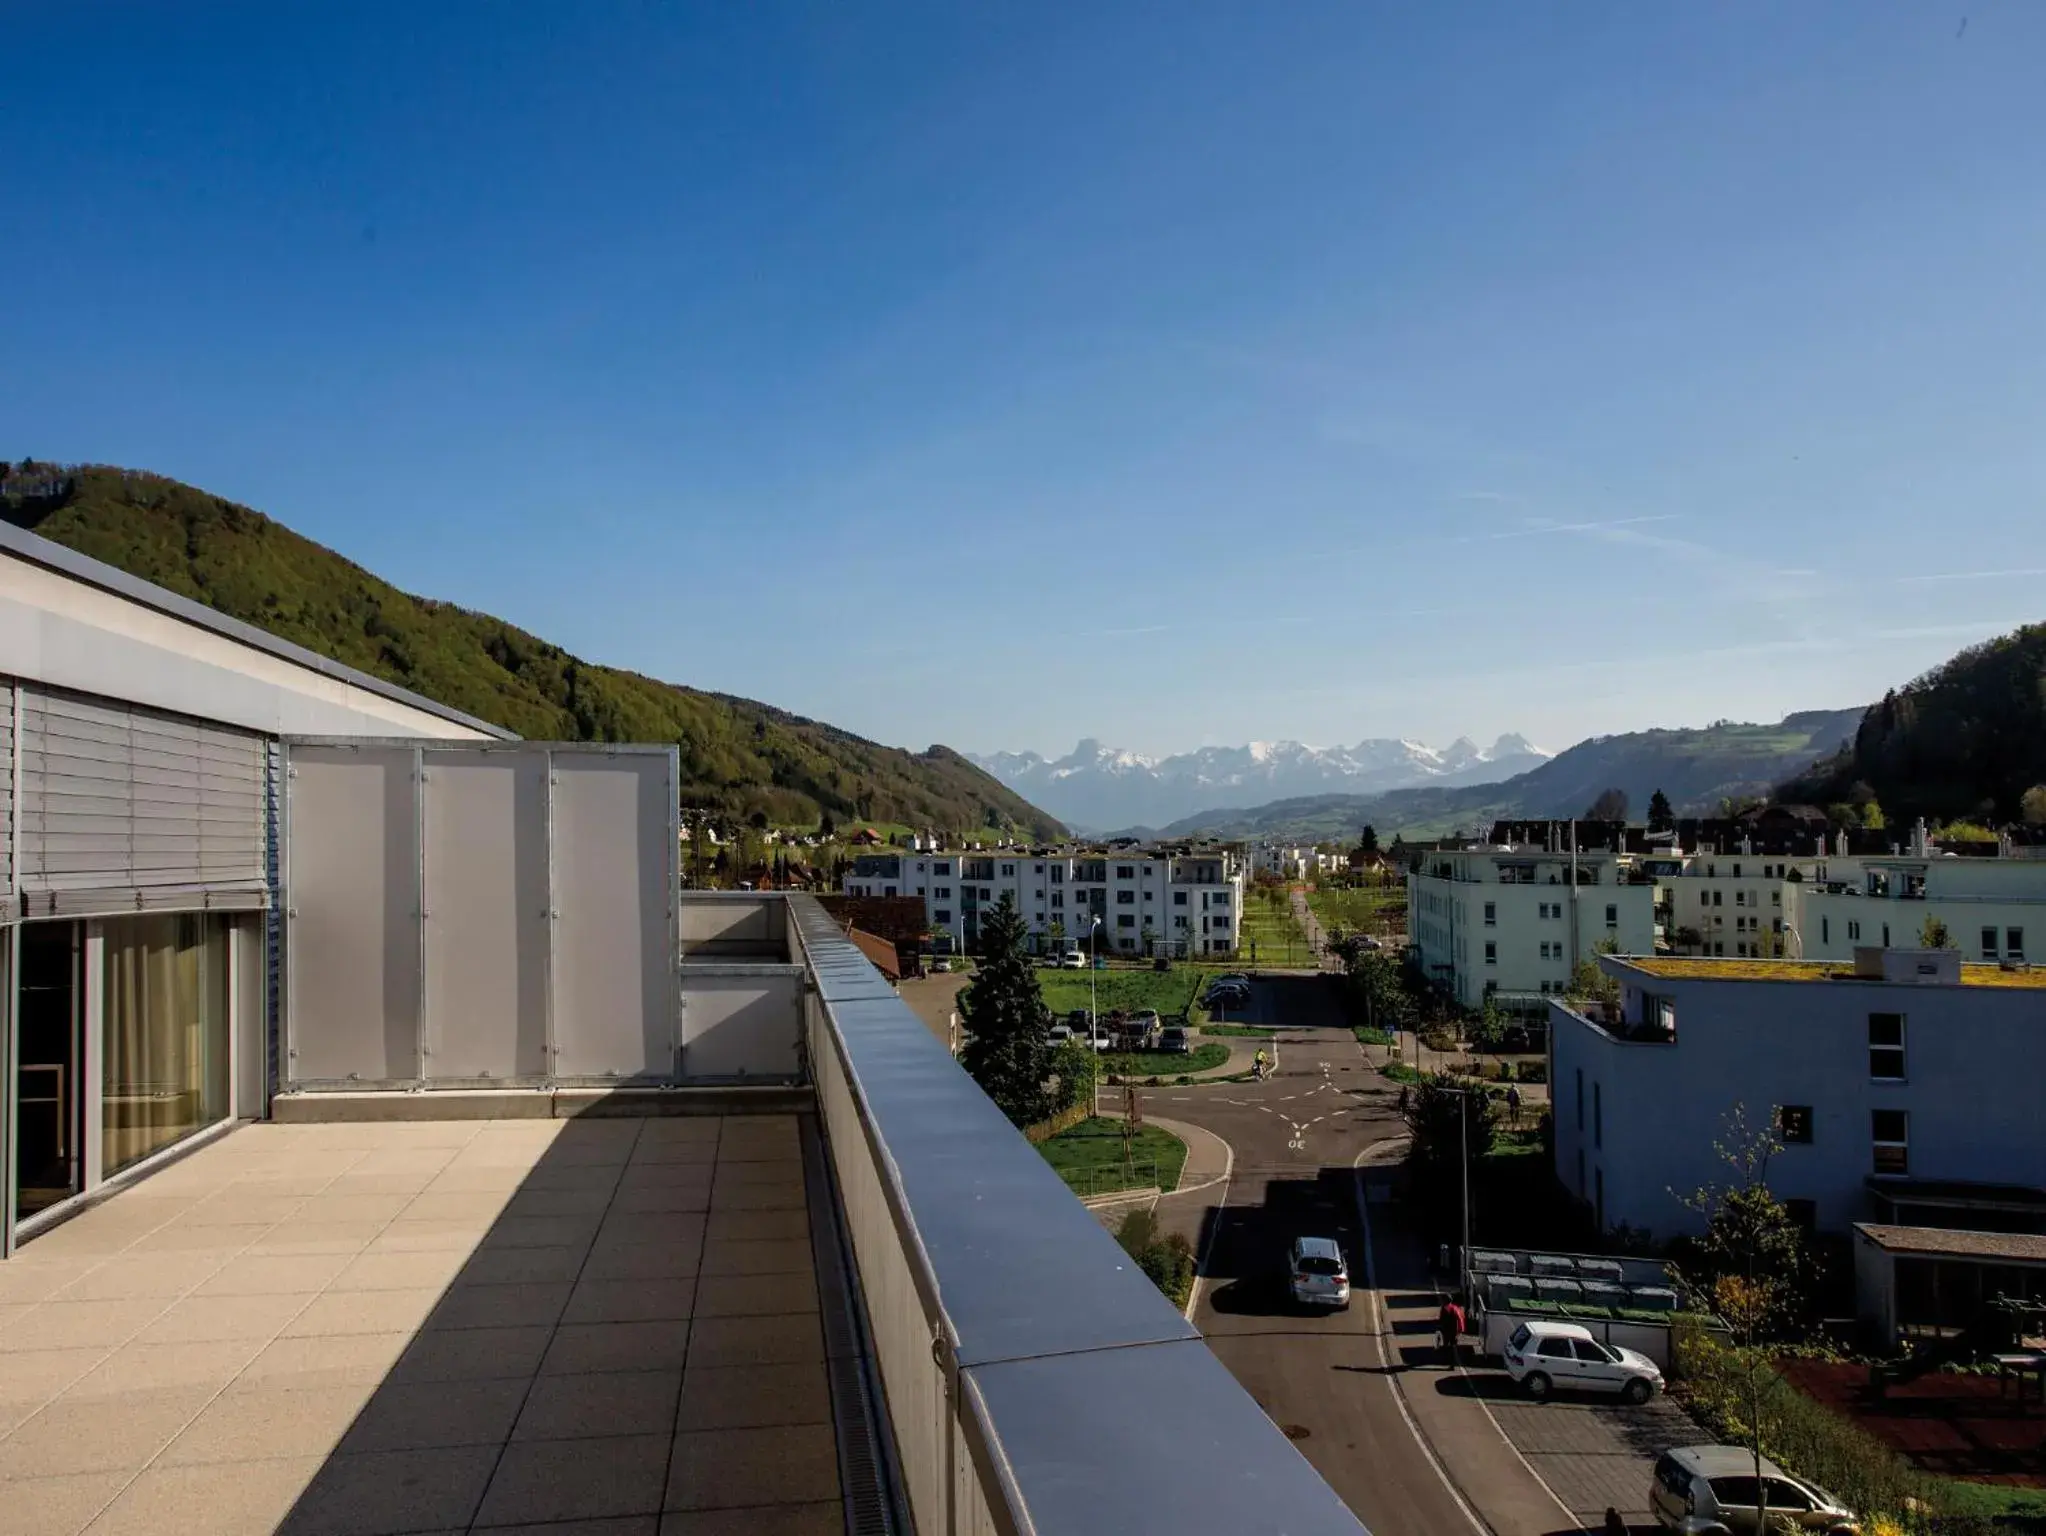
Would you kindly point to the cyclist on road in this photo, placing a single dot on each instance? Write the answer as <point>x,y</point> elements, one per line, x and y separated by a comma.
<point>1257,1066</point>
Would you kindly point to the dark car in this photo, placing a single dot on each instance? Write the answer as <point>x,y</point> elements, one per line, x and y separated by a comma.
<point>1174,1038</point>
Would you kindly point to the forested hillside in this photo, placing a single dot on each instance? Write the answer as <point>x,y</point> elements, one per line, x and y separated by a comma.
<point>738,755</point>
<point>1965,741</point>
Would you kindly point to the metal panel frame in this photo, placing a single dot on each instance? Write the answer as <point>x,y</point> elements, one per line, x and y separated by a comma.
<point>422,751</point>
<point>287,1025</point>
<point>433,1028</point>
<point>673,928</point>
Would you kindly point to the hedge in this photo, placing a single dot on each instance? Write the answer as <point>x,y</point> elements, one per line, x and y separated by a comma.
<point>1804,1437</point>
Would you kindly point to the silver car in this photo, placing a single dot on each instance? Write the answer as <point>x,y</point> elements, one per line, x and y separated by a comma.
<point>1318,1275</point>
<point>1711,1490</point>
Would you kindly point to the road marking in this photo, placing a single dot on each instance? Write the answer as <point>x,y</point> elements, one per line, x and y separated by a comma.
<point>1378,1325</point>
<point>1193,1295</point>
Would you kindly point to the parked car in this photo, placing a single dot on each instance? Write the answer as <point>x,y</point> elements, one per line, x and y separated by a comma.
<point>941,965</point>
<point>1235,993</point>
<point>1542,1356</point>
<point>1710,1490</point>
<point>1072,960</point>
<point>1100,1038</point>
<point>1059,1034</point>
<point>1175,1039</point>
<point>1319,1277</point>
<point>1134,1033</point>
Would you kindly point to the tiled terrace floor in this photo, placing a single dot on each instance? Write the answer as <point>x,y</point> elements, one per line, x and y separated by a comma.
<point>348,1330</point>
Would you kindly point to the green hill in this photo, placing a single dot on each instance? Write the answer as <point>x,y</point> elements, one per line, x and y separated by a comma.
<point>737,755</point>
<point>1965,741</point>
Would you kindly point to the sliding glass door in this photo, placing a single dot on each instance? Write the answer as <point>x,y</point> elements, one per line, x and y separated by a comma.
<point>49,1141</point>
<point>164,1049</point>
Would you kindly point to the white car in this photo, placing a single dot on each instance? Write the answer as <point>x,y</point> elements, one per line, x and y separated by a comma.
<point>1317,1273</point>
<point>1072,960</point>
<point>1710,1490</point>
<point>1542,1356</point>
<point>1059,1034</point>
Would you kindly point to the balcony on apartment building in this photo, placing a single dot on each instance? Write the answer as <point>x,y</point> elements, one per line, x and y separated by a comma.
<point>801,1276</point>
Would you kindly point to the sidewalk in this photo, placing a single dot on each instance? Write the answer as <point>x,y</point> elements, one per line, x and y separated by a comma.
<point>1530,1469</point>
<point>1473,1452</point>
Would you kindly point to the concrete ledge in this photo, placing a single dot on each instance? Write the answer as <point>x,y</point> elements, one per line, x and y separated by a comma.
<point>730,1099</point>
<point>360,1106</point>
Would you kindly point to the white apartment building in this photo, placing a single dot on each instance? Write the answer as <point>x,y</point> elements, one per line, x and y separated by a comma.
<point>1994,909</point>
<point>1180,904</point>
<point>1510,922</point>
<point>1295,861</point>
<point>1741,905</point>
<point>1903,1089</point>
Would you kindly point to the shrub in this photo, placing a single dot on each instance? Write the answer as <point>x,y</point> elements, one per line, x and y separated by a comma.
<point>1168,1260</point>
<point>1797,1434</point>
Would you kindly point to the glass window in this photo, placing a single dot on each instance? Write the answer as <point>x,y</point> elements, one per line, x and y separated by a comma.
<point>1794,1123</point>
<point>1591,1351</point>
<point>1554,1349</point>
<point>1886,1046</point>
<point>2014,943</point>
<point>1890,1130</point>
<point>165,1059</point>
<point>1989,942</point>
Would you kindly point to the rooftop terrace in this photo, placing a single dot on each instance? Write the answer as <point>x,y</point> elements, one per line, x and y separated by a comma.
<point>1679,968</point>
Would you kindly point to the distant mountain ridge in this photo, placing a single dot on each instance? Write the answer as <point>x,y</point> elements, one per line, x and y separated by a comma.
<point>1101,788</point>
<point>738,756</point>
<point>1695,768</point>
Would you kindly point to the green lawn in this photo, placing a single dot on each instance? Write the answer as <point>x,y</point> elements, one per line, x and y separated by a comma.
<point>1363,909</point>
<point>1164,1063</point>
<point>1988,1501</point>
<point>1271,929</point>
<point>1171,992</point>
<point>1090,1157</point>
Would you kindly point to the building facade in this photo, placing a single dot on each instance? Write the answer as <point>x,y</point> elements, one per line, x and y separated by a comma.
<point>1891,1084</point>
<point>1510,923</point>
<point>1993,909</point>
<point>139,789</point>
<point>1179,904</point>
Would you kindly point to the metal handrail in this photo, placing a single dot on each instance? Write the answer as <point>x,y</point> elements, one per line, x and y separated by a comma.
<point>1052,1349</point>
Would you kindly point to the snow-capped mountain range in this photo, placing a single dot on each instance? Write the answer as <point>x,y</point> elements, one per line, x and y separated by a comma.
<point>1101,789</point>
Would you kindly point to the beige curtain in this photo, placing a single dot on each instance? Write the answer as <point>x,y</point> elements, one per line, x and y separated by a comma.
<point>164,1003</point>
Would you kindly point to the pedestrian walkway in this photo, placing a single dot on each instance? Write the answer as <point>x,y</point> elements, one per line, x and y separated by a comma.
<point>1474,1454</point>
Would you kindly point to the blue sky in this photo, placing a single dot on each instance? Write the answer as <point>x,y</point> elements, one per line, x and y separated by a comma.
<point>999,375</point>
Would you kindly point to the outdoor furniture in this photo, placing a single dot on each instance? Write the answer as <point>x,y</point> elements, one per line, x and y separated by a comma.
<point>2016,1368</point>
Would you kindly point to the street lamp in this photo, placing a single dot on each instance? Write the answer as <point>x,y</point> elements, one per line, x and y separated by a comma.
<point>1093,999</point>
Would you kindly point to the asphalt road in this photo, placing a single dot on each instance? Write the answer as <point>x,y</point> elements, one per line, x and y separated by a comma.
<point>1321,1376</point>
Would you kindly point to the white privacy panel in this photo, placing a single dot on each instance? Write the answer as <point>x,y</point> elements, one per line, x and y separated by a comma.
<point>351,922</point>
<point>485,925</point>
<point>614,850</point>
<point>741,1022</point>
<point>468,913</point>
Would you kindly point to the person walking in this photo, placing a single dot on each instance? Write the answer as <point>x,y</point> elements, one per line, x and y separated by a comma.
<point>1403,1098</point>
<point>1449,1324</point>
<point>1513,1104</point>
